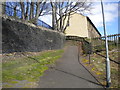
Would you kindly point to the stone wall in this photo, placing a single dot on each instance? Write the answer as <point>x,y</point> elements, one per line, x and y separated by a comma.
<point>21,36</point>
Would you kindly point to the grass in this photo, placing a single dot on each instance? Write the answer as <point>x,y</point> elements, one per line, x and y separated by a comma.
<point>97,67</point>
<point>100,47</point>
<point>97,63</point>
<point>28,68</point>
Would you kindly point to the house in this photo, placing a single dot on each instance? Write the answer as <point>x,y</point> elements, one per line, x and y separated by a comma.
<point>81,26</point>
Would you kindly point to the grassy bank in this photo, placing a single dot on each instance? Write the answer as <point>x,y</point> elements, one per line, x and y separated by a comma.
<point>97,67</point>
<point>25,71</point>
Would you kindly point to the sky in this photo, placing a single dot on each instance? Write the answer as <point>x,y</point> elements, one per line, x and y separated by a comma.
<point>111,17</point>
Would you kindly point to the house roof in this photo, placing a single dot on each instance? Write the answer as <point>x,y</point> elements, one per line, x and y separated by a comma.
<point>93,25</point>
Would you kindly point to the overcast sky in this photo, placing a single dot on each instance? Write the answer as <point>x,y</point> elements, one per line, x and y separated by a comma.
<point>111,17</point>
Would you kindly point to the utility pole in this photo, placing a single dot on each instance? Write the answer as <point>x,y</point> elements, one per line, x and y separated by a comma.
<point>108,79</point>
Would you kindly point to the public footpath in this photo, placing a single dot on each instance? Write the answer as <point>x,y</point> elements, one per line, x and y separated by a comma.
<point>68,73</point>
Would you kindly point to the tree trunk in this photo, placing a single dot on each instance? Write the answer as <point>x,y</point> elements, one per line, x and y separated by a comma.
<point>31,10</point>
<point>27,9</point>
<point>3,7</point>
<point>15,12</point>
<point>23,11</point>
<point>54,17</point>
<point>37,11</point>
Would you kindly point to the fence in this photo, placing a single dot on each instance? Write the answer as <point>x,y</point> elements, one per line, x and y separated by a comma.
<point>43,24</point>
<point>98,43</point>
<point>18,14</point>
<point>86,46</point>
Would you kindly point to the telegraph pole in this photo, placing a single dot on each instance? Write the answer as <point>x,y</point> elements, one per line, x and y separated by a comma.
<point>108,79</point>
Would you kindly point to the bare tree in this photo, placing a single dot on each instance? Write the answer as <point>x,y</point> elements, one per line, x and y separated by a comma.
<point>32,10</point>
<point>3,7</point>
<point>27,11</point>
<point>54,17</point>
<point>61,12</point>
<point>37,9</point>
<point>13,6</point>
<point>16,4</point>
<point>22,10</point>
<point>40,7</point>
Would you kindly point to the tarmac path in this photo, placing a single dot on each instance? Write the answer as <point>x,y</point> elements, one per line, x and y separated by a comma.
<point>68,73</point>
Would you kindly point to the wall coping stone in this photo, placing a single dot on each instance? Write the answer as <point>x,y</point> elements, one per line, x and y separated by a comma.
<point>29,24</point>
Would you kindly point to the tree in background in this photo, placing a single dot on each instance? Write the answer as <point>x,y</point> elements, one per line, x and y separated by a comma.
<point>61,12</point>
<point>32,10</point>
<point>28,10</point>
<point>3,7</point>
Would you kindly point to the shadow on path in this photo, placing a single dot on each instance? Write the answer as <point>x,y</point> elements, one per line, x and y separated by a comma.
<point>78,77</point>
<point>69,73</point>
<point>110,58</point>
<point>89,72</point>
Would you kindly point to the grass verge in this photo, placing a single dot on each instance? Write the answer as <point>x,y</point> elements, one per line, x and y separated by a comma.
<point>25,71</point>
<point>97,67</point>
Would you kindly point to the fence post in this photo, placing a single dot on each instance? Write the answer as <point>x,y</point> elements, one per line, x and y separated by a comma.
<point>89,56</point>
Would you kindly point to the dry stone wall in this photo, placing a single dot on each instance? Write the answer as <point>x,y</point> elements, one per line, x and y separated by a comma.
<point>21,36</point>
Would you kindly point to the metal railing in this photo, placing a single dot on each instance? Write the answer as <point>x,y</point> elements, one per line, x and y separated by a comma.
<point>9,11</point>
<point>98,43</point>
<point>86,46</point>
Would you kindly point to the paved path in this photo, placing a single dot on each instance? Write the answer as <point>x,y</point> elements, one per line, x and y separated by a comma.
<point>68,73</point>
